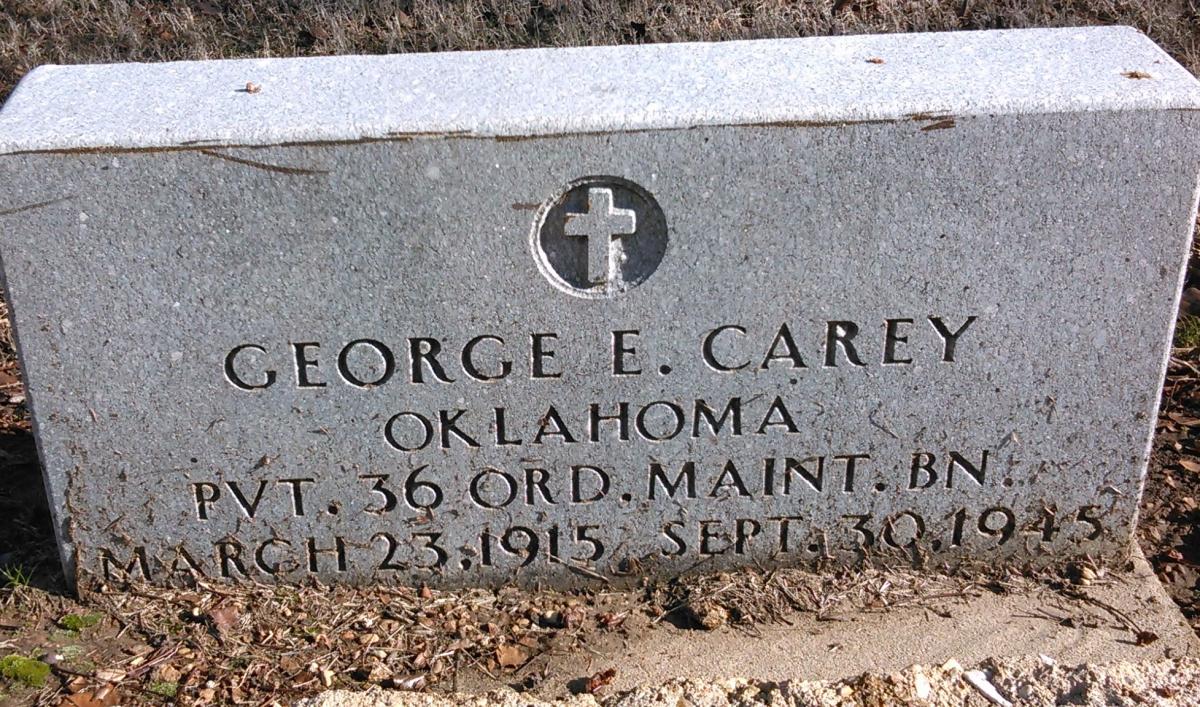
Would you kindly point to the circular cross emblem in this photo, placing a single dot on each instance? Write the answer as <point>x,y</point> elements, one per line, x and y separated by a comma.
<point>599,237</point>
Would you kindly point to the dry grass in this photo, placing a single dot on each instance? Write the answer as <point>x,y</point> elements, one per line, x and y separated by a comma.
<point>34,32</point>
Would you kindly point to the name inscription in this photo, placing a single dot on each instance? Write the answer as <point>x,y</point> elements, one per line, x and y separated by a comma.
<point>371,362</point>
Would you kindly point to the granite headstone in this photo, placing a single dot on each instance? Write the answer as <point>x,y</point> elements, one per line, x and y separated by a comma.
<point>578,315</point>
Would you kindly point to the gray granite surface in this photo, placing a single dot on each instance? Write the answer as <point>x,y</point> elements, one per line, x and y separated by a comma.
<point>583,315</point>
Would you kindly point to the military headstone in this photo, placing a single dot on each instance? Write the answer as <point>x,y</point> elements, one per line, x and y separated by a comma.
<point>576,315</point>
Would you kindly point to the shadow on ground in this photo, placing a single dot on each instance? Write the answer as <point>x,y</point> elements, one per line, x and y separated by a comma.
<point>28,552</point>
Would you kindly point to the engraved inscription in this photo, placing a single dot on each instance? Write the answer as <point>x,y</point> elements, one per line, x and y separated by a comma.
<point>552,483</point>
<point>412,532</point>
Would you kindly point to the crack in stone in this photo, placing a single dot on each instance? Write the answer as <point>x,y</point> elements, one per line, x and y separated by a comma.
<point>279,169</point>
<point>31,207</point>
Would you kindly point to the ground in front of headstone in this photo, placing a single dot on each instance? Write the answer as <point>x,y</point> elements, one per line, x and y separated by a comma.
<point>253,644</point>
<point>256,644</point>
<point>1031,680</point>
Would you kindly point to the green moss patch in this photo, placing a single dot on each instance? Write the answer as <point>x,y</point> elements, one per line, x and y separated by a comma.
<point>24,670</point>
<point>78,622</point>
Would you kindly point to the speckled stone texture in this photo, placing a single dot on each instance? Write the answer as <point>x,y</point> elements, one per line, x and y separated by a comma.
<point>584,315</point>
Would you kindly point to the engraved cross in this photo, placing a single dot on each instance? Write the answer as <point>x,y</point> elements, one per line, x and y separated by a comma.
<point>598,225</point>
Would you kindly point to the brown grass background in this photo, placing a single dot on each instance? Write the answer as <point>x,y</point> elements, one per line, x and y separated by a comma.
<point>34,32</point>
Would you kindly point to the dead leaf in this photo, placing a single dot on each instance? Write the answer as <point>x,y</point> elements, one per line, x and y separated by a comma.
<point>377,673</point>
<point>223,616</point>
<point>875,60</point>
<point>601,680</point>
<point>415,682</point>
<point>110,675</point>
<point>511,656</point>
<point>166,673</point>
<point>1136,75</point>
<point>1191,465</point>
<point>528,641</point>
<point>106,696</point>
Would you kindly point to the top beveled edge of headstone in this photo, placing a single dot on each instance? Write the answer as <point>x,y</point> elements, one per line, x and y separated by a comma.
<point>541,92</point>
